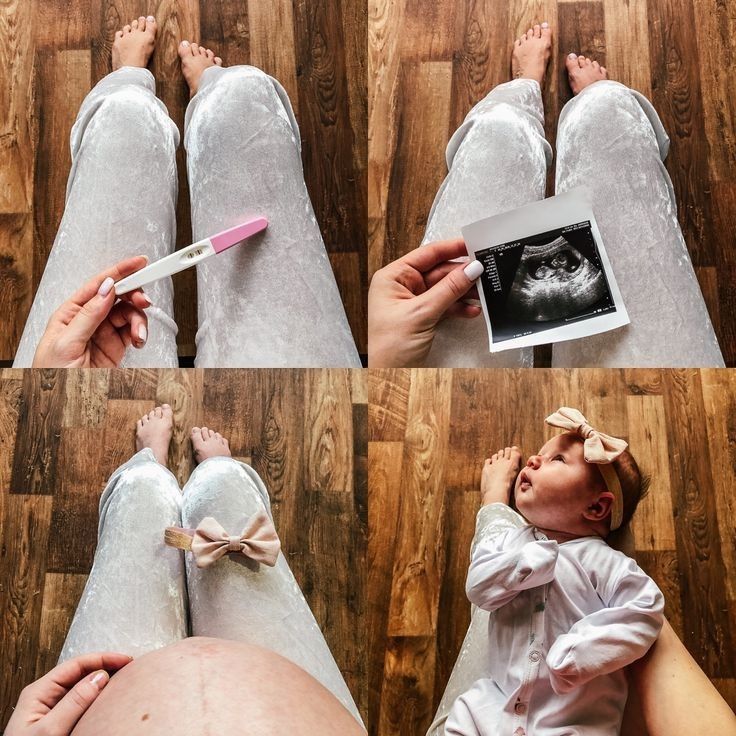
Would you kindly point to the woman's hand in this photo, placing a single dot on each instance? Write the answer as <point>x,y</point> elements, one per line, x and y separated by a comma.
<point>52,705</point>
<point>409,297</point>
<point>91,330</point>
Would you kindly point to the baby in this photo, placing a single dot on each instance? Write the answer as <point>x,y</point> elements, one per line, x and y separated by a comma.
<point>568,613</point>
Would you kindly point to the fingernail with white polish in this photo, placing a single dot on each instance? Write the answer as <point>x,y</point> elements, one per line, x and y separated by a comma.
<point>147,298</point>
<point>473,270</point>
<point>105,286</point>
<point>142,333</point>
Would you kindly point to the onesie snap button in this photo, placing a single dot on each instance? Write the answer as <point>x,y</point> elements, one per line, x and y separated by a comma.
<point>534,655</point>
<point>520,708</point>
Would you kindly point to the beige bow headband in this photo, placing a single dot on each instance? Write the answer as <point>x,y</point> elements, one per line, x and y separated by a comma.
<point>598,448</point>
<point>209,541</point>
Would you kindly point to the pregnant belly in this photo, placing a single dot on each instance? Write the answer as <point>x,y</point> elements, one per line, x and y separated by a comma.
<point>204,686</point>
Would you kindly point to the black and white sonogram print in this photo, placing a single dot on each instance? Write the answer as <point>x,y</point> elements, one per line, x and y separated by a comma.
<point>544,281</point>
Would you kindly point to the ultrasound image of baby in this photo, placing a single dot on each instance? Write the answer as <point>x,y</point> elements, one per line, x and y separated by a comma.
<point>554,281</point>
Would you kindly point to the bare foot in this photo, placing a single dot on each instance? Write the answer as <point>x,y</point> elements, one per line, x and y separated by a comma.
<point>194,60</point>
<point>583,71</point>
<point>154,430</point>
<point>134,45</point>
<point>208,443</point>
<point>499,474</point>
<point>531,53</point>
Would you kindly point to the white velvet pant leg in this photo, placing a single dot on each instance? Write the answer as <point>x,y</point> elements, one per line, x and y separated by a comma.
<point>135,597</point>
<point>245,601</point>
<point>272,301</point>
<point>497,160</point>
<point>472,661</point>
<point>610,139</point>
<point>120,202</point>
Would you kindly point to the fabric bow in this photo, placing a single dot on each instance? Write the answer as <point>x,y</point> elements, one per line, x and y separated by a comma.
<point>209,541</point>
<point>598,447</point>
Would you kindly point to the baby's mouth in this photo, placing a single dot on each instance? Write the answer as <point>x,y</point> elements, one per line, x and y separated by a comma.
<point>524,482</point>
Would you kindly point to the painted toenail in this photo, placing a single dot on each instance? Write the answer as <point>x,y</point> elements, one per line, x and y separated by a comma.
<point>545,25</point>
<point>185,43</point>
<point>572,56</point>
<point>151,18</point>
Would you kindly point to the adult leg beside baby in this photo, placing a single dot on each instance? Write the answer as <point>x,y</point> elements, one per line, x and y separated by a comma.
<point>252,603</point>
<point>272,301</point>
<point>497,160</point>
<point>120,199</point>
<point>611,140</point>
<point>472,661</point>
<point>135,599</point>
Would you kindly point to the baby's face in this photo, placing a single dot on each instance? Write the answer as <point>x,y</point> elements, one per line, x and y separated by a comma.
<point>556,486</point>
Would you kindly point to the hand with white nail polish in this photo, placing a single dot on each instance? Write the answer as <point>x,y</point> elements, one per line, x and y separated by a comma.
<point>409,297</point>
<point>93,328</point>
<point>52,705</point>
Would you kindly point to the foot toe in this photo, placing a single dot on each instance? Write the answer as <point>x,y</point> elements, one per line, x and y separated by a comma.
<point>142,23</point>
<point>218,61</point>
<point>126,29</point>
<point>537,31</point>
<point>195,49</point>
<point>605,71</point>
<point>134,24</point>
<point>118,34</point>
<point>209,53</point>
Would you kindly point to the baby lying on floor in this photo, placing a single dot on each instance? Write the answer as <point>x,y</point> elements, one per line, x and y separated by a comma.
<point>568,613</point>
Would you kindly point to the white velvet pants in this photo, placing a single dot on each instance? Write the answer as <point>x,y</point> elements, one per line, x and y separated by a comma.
<point>472,662</point>
<point>611,140</point>
<point>271,301</point>
<point>142,595</point>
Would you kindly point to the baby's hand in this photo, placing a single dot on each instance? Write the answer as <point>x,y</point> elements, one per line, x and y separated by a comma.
<point>499,475</point>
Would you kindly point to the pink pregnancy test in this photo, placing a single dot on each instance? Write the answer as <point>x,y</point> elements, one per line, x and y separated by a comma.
<point>191,255</point>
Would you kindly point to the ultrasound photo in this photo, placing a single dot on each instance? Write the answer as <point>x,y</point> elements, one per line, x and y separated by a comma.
<point>544,281</point>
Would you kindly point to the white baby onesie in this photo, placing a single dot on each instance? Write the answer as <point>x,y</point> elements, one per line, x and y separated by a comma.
<point>565,619</point>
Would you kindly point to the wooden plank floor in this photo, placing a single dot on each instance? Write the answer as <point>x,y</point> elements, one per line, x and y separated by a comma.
<point>429,432</point>
<point>429,63</point>
<point>63,432</point>
<point>52,52</point>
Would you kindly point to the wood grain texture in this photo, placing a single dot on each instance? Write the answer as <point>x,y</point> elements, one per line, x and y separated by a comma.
<point>421,129</point>
<point>17,134</point>
<point>53,52</point>
<point>679,53</point>
<point>65,453</point>
<point>419,562</point>
<point>424,476</point>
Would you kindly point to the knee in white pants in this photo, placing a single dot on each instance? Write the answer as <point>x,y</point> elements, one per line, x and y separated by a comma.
<point>144,490</point>
<point>245,88</point>
<point>601,102</point>
<point>500,128</point>
<point>223,488</point>
<point>136,115</point>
